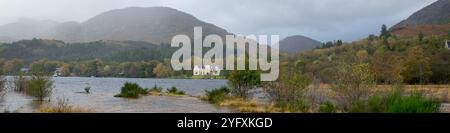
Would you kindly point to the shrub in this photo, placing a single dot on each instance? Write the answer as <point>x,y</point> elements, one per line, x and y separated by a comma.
<point>290,90</point>
<point>396,102</point>
<point>327,107</point>
<point>131,90</point>
<point>156,89</point>
<point>414,103</point>
<point>299,106</point>
<point>217,95</point>
<point>242,81</point>
<point>39,86</point>
<point>175,91</point>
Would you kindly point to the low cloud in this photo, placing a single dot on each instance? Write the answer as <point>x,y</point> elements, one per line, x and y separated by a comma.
<point>323,20</point>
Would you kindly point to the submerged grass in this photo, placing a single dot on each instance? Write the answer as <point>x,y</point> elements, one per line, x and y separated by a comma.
<point>174,91</point>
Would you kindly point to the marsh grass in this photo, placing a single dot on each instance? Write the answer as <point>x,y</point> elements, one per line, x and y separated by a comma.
<point>173,91</point>
<point>217,95</point>
<point>62,107</point>
<point>131,90</point>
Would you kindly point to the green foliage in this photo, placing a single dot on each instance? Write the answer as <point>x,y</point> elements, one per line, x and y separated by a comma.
<point>289,91</point>
<point>39,86</point>
<point>331,44</point>
<point>217,95</point>
<point>415,103</point>
<point>43,66</point>
<point>119,51</point>
<point>396,102</point>
<point>100,58</point>
<point>421,36</point>
<point>243,80</point>
<point>174,90</point>
<point>327,107</point>
<point>11,67</point>
<point>131,90</point>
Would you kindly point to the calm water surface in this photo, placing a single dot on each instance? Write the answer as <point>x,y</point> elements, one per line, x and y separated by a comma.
<point>103,89</point>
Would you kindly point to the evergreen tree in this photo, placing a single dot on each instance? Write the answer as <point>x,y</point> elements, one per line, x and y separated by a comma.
<point>384,31</point>
<point>421,36</point>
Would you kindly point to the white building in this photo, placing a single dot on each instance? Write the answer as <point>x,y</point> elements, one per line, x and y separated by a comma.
<point>206,70</point>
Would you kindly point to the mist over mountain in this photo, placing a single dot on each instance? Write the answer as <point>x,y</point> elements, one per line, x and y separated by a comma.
<point>153,24</point>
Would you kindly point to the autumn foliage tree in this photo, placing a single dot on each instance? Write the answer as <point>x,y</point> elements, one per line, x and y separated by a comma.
<point>352,84</point>
<point>386,67</point>
<point>162,71</point>
<point>416,65</point>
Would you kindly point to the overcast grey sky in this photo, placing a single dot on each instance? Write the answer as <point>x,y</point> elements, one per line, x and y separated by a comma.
<point>319,19</point>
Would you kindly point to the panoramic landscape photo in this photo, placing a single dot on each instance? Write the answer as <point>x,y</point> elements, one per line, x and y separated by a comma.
<point>202,56</point>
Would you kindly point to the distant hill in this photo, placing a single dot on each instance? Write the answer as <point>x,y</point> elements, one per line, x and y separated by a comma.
<point>154,25</point>
<point>26,28</point>
<point>436,13</point>
<point>298,43</point>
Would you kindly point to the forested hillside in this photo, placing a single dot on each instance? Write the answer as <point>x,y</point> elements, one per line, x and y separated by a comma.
<point>100,58</point>
<point>391,59</point>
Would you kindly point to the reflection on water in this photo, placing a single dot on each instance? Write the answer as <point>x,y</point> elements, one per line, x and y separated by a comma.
<point>103,89</point>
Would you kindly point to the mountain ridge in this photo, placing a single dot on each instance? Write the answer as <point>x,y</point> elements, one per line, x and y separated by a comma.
<point>152,24</point>
<point>435,13</point>
<point>432,20</point>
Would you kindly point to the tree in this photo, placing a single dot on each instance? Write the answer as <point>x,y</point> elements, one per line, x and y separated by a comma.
<point>161,71</point>
<point>94,67</point>
<point>65,69</point>
<point>384,31</point>
<point>243,80</point>
<point>421,36</point>
<point>339,43</point>
<point>352,84</point>
<point>386,67</point>
<point>12,66</point>
<point>417,67</point>
<point>43,66</point>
